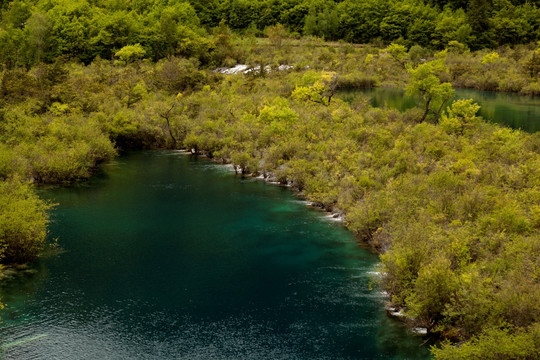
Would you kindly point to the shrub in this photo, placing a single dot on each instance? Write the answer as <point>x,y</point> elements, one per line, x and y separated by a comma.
<point>23,222</point>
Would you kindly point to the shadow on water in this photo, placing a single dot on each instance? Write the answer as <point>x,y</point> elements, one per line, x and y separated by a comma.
<point>168,256</point>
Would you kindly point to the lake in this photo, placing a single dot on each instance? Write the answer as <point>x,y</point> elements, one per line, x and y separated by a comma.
<point>513,110</point>
<point>168,256</point>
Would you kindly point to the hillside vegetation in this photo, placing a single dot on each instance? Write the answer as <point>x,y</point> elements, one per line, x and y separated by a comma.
<point>32,31</point>
<point>451,202</point>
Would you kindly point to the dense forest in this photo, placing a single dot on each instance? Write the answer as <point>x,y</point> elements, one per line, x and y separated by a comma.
<point>451,202</point>
<point>40,31</point>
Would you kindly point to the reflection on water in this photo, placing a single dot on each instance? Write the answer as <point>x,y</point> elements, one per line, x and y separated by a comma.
<point>515,111</point>
<point>170,257</point>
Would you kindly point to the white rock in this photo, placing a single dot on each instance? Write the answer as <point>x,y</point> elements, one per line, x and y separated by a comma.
<point>420,331</point>
<point>284,67</point>
<point>245,69</point>
<point>398,313</point>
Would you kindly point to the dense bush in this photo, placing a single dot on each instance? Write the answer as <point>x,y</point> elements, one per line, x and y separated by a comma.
<point>496,344</point>
<point>23,222</point>
<point>453,207</point>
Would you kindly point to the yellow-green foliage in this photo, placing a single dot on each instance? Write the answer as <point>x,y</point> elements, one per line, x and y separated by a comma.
<point>426,84</point>
<point>511,70</point>
<point>453,207</point>
<point>129,53</point>
<point>490,58</point>
<point>460,116</point>
<point>315,86</point>
<point>496,344</point>
<point>398,53</point>
<point>53,148</point>
<point>23,222</point>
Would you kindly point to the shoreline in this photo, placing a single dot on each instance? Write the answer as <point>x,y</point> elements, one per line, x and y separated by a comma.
<point>336,215</point>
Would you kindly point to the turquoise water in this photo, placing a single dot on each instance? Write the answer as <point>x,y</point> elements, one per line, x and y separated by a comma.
<point>172,257</point>
<point>515,111</point>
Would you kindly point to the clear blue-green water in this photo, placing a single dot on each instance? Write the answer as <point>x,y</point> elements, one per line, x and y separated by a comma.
<point>172,257</point>
<point>513,110</point>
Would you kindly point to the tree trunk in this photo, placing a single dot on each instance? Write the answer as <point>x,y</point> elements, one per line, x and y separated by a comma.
<point>426,110</point>
<point>439,111</point>
<point>170,133</point>
<point>166,117</point>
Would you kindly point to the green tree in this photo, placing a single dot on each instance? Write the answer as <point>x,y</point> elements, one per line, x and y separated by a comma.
<point>167,115</point>
<point>434,288</point>
<point>17,13</point>
<point>276,34</point>
<point>317,87</point>
<point>399,53</point>
<point>460,116</point>
<point>479,14</point>
<point>424,83</point>
<point>223,42</point>
<point>12,51</point>
<point>39,31</point>
<point>130,53</point>
<point>533,64</point>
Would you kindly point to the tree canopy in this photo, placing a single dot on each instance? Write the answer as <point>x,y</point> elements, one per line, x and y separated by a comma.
<point>34,31</point>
